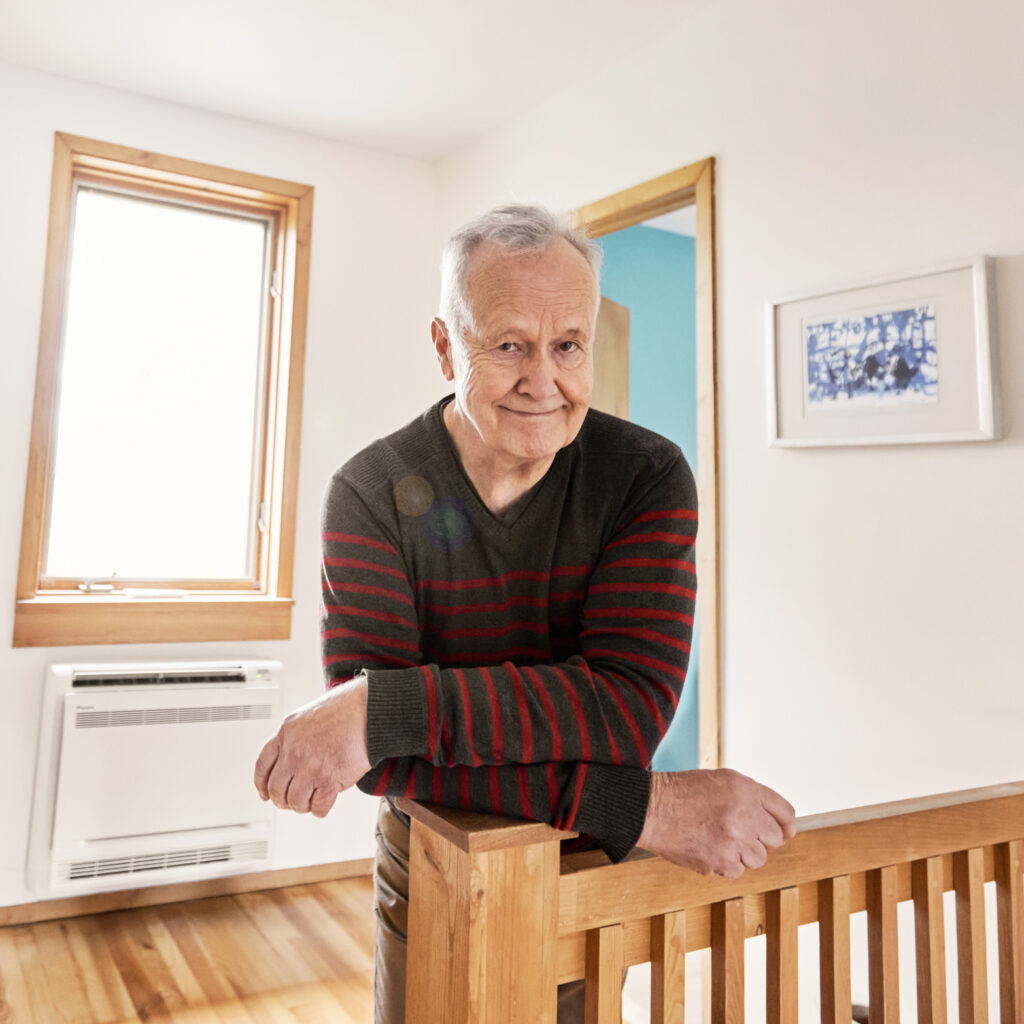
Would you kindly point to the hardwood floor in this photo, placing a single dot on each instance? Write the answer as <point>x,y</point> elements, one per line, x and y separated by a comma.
<point>302,955</point>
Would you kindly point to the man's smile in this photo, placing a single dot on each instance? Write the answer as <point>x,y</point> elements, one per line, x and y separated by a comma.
<point>527,412</point>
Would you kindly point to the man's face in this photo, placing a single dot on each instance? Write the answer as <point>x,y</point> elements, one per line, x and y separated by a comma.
<point>524,372</point>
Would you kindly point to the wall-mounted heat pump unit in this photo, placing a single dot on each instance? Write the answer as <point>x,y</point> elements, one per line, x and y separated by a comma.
<point>145,774</point>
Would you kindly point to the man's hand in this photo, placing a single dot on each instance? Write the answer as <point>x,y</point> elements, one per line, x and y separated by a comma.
<point>319,750</point>
<point>715,822</point>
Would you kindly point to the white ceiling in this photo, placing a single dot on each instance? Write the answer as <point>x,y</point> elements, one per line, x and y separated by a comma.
<point>682,222</point>
<point>419,77</point>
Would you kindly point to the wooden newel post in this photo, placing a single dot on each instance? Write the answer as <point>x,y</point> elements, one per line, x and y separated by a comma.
<point>483,917</point>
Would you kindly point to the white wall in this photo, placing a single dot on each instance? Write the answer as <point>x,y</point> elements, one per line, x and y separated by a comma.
<point>870,601</point>
<point>871,642</point>
<point>371,298</point>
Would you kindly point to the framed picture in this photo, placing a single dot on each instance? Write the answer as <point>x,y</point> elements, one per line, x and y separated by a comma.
<point>901,360</point>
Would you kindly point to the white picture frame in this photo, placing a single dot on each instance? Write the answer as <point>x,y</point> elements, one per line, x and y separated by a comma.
<point>903,359</point>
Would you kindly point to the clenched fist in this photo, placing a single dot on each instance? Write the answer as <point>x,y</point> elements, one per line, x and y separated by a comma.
<point>716,822</point>
<point>319,750</point>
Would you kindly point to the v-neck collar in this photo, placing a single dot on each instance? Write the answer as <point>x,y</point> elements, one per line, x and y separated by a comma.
<point>529,504</point>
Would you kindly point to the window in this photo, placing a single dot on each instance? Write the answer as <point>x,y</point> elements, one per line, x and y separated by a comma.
<point>160,500</point>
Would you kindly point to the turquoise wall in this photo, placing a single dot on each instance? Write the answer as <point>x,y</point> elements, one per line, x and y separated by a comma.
<point>652,272</point>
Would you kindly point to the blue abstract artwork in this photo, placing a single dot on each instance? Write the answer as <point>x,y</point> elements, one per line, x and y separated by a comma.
<point>888,358</point>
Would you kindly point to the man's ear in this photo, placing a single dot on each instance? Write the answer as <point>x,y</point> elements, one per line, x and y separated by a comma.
<point>443,347</point>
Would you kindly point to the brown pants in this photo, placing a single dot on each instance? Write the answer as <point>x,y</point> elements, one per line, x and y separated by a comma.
<point>391,907</point>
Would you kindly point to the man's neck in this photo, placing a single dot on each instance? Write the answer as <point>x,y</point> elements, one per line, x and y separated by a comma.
<point>500,481</point>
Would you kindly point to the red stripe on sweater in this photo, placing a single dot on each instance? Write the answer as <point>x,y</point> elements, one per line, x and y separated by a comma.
<point>654,538</point>
<point>639,613</point>
<point>470,659</point>
<point>431,694</point>
<point>641,588</point>
<point>643,659</point>
<point>614,754</point>
<point>387,660</point>
<point>352,538</point>
<point>525,725</point>
<point>577,710</point>
<point>370,638</point>
<point>525,801</point>
<point>653,563</point>
<point>549,710</point>
<point>668,513</point>
<point>521,601</point>
<point>369,613</point>
<point>506,577</point>
<point>494,791</point>
<point>410,782</point>
<point>366,588</point>
<point>470,631</point>
<point>385,777</point>
<point>436,789</point>
<point>358,563</point>
<point>653,709</point>
<point>627,716</point>
<point>497,738</point>
<point>467,714</point>
<point>581,777</point>
<point>446,743</point>
<point>643,634</point>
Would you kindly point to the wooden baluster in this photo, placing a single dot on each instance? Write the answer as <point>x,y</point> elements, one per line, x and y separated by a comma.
<point>969,883</point>
<point>1009,866</point>
<point>668,968</point>
<point>727,933</point>
<point>883,947</point>
<point>834,949</point>
<point>604,975</point>
<point>482,927</point>
<point>930,930</point>
<point>783,916</point>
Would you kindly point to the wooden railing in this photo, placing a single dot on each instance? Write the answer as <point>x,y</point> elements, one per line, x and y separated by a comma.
<point>498,920</point>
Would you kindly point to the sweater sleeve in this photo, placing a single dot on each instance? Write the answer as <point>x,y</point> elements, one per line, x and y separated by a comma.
<point>572,739</point>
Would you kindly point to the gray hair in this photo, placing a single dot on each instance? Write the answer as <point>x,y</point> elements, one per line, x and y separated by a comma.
<point>516,227</point>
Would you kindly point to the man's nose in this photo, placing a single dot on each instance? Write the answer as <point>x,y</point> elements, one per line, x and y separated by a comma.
<point>539,375</point>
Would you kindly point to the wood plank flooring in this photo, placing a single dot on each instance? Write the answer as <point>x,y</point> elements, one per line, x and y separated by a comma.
<point>302,955</point>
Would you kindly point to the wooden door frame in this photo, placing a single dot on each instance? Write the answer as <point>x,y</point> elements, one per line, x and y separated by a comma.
<point>692,185</point>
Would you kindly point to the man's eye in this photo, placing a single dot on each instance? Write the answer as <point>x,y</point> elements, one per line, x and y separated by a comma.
<point>507,346</point>
<point>568,346</point>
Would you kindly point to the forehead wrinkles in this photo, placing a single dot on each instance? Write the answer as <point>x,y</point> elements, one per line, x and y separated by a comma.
<point>518,290</point>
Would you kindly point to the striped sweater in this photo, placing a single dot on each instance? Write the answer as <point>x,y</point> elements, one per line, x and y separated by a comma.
<point>525,664</point>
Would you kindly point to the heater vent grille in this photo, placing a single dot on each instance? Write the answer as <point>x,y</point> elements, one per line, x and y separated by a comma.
<point>107,867</point>
<point>91,719</point>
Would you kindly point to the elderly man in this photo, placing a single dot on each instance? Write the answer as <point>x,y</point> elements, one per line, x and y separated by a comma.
<point>508,587</point>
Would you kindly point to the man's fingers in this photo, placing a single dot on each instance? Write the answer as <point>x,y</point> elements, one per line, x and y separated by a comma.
<point>298,795</point>
<point>733,869</point>
<point>264,765</point>
<point>277,785</point>
<point>770,831</point>
<point>322,802</point>
<point>754,854</point>
<point>781,810</point>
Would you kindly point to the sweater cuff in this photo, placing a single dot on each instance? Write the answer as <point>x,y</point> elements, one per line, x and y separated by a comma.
<point>396,714</point>
<point>613,807</point>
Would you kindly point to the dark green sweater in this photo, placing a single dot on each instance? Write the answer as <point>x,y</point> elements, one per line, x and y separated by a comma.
<point>526,664</point>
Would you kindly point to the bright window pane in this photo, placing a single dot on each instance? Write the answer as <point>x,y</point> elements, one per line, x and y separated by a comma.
<point>155,465</point>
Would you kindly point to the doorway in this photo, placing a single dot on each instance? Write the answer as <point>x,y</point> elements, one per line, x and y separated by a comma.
<point>689,193</point>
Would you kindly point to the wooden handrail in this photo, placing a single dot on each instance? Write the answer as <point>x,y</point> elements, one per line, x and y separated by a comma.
<point>498,919</point>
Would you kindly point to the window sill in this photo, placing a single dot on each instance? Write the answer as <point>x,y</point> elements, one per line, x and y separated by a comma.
<point>57,621</point>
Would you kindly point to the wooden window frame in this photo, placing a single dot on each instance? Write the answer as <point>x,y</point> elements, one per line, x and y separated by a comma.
<point>55,612</point>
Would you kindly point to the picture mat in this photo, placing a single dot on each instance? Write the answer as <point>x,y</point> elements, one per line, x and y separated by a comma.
<point>841,377</point>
